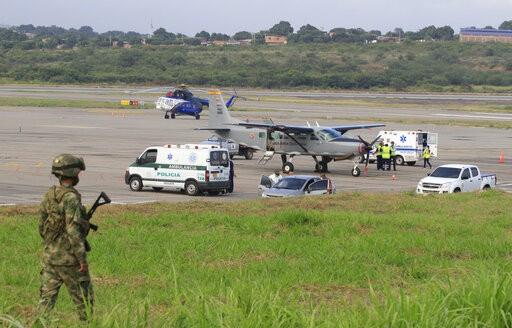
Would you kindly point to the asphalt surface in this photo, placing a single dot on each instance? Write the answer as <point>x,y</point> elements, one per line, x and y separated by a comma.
<point>158,90</point>
<point>110,140</point>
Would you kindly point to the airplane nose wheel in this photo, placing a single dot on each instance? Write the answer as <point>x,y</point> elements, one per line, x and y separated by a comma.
<point>356,171</point>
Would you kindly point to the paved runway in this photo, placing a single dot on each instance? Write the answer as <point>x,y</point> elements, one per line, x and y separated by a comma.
<point>101,90</point>
<point>110,140</point>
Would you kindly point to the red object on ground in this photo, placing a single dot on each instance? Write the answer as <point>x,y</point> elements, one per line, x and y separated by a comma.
<point>169,94</point>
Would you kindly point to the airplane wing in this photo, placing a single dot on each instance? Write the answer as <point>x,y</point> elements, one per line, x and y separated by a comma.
<point>345,128</point>
<point>277,127</point>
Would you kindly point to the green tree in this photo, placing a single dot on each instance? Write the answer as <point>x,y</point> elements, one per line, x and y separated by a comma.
<point>242,35</point>
<point>203,35</point>
<point>308,33</point>
<point>219,37</point>
<point>506,25</point>
<point>282,28</point>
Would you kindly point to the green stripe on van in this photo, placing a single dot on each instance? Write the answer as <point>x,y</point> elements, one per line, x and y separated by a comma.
<point>172,166</point>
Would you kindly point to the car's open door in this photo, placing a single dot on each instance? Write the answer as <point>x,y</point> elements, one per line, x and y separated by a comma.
<point>318,188</point>
<point>265,183</point>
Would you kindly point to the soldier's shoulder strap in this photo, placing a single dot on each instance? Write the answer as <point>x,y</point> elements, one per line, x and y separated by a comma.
<point>60,192</point>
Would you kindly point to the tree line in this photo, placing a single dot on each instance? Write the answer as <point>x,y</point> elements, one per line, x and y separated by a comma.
<point>28,37</point>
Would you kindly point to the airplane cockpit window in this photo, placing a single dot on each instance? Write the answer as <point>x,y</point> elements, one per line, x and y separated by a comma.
<point>328,134</point>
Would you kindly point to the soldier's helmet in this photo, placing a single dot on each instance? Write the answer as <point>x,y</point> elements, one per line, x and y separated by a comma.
<point>67,166</point>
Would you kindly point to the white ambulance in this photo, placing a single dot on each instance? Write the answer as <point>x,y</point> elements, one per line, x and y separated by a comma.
<point>193,168</point>
<point>409,145</point>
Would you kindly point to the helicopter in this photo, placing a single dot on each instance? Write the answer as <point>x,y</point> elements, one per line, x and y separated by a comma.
<point>181,101</point>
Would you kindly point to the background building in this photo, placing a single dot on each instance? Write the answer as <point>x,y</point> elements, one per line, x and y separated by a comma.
<point>485,35</point>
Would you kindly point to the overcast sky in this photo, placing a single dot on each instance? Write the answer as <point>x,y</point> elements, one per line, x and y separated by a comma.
<point>230,16</point>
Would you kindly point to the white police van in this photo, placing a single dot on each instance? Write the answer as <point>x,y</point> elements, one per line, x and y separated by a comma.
<point>193,168</point>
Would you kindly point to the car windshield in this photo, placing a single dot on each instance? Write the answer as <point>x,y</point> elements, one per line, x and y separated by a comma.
<point>446,172</point>
<point>290,183</point>
<point>328,134</point>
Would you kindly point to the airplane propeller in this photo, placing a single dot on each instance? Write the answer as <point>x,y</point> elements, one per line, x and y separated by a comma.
<point>369,147</point>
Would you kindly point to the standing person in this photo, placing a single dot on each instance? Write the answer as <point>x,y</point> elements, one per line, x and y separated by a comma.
<point>426,157</point>
<point>378,154</point>
<point>276,177</point>
<point>330,188</point>
<point>231,177</point>
<point>393,154</point>
<point>386,157</point>
<point>63,227</point>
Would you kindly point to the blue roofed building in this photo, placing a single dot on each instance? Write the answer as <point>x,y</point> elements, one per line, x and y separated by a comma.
<point>485,35</point>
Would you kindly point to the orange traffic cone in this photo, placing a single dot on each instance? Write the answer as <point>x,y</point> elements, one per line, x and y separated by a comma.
<point>502,158</point>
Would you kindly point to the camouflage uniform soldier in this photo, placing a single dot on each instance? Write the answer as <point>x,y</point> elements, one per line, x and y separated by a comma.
<point>63,227</point>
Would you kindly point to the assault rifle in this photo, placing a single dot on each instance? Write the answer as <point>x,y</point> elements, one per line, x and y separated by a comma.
<point>102,199</point>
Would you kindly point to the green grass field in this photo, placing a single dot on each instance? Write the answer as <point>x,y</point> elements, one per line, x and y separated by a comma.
<point>352,260</point>
<point>72,103</point>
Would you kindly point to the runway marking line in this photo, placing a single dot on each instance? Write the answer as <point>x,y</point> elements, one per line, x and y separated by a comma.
<point>476,116</point>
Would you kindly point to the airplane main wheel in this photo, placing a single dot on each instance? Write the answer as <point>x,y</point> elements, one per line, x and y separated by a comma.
<point>248,154</point>
<point>173,116</point>
<point>323,166</point>
<point>166,116</point>
<point>288,167</point>
<point>198,116</point>
<point>356,172</point>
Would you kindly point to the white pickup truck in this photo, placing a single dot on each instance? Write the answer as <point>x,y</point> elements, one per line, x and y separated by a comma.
<point>455,178</point>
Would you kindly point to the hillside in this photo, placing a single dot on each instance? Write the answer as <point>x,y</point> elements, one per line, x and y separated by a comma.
<point>355,259</point>
<point>431,66</point>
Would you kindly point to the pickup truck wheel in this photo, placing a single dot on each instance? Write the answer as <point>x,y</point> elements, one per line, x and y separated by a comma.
<point>486,187</point>
<point>410,163</point>
<point>135,184</point>
<point>191,188</point>
<point>456,190</point>
<point>157,188</point>
<point>400,160</point>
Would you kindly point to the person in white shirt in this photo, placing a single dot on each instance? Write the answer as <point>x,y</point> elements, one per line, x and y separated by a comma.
<point>276,177</point>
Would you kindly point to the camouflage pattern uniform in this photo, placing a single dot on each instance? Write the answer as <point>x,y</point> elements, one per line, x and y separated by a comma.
<point>63,227</point>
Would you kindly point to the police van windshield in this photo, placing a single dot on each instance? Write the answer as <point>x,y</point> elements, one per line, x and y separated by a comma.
<point>219,158</point>
<point>290,183</point>
<point>446,172</point>
<point>328,134</point>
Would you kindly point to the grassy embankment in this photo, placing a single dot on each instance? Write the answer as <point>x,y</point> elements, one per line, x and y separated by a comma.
<point>354,260</point>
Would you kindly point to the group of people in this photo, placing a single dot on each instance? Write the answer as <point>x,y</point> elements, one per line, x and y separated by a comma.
<point>386,156</point>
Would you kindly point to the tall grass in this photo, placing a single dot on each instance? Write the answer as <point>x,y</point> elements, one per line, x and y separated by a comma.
<point>353,260</point>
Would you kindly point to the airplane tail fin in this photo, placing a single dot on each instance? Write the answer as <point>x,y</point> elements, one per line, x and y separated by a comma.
<point>218,116</point>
